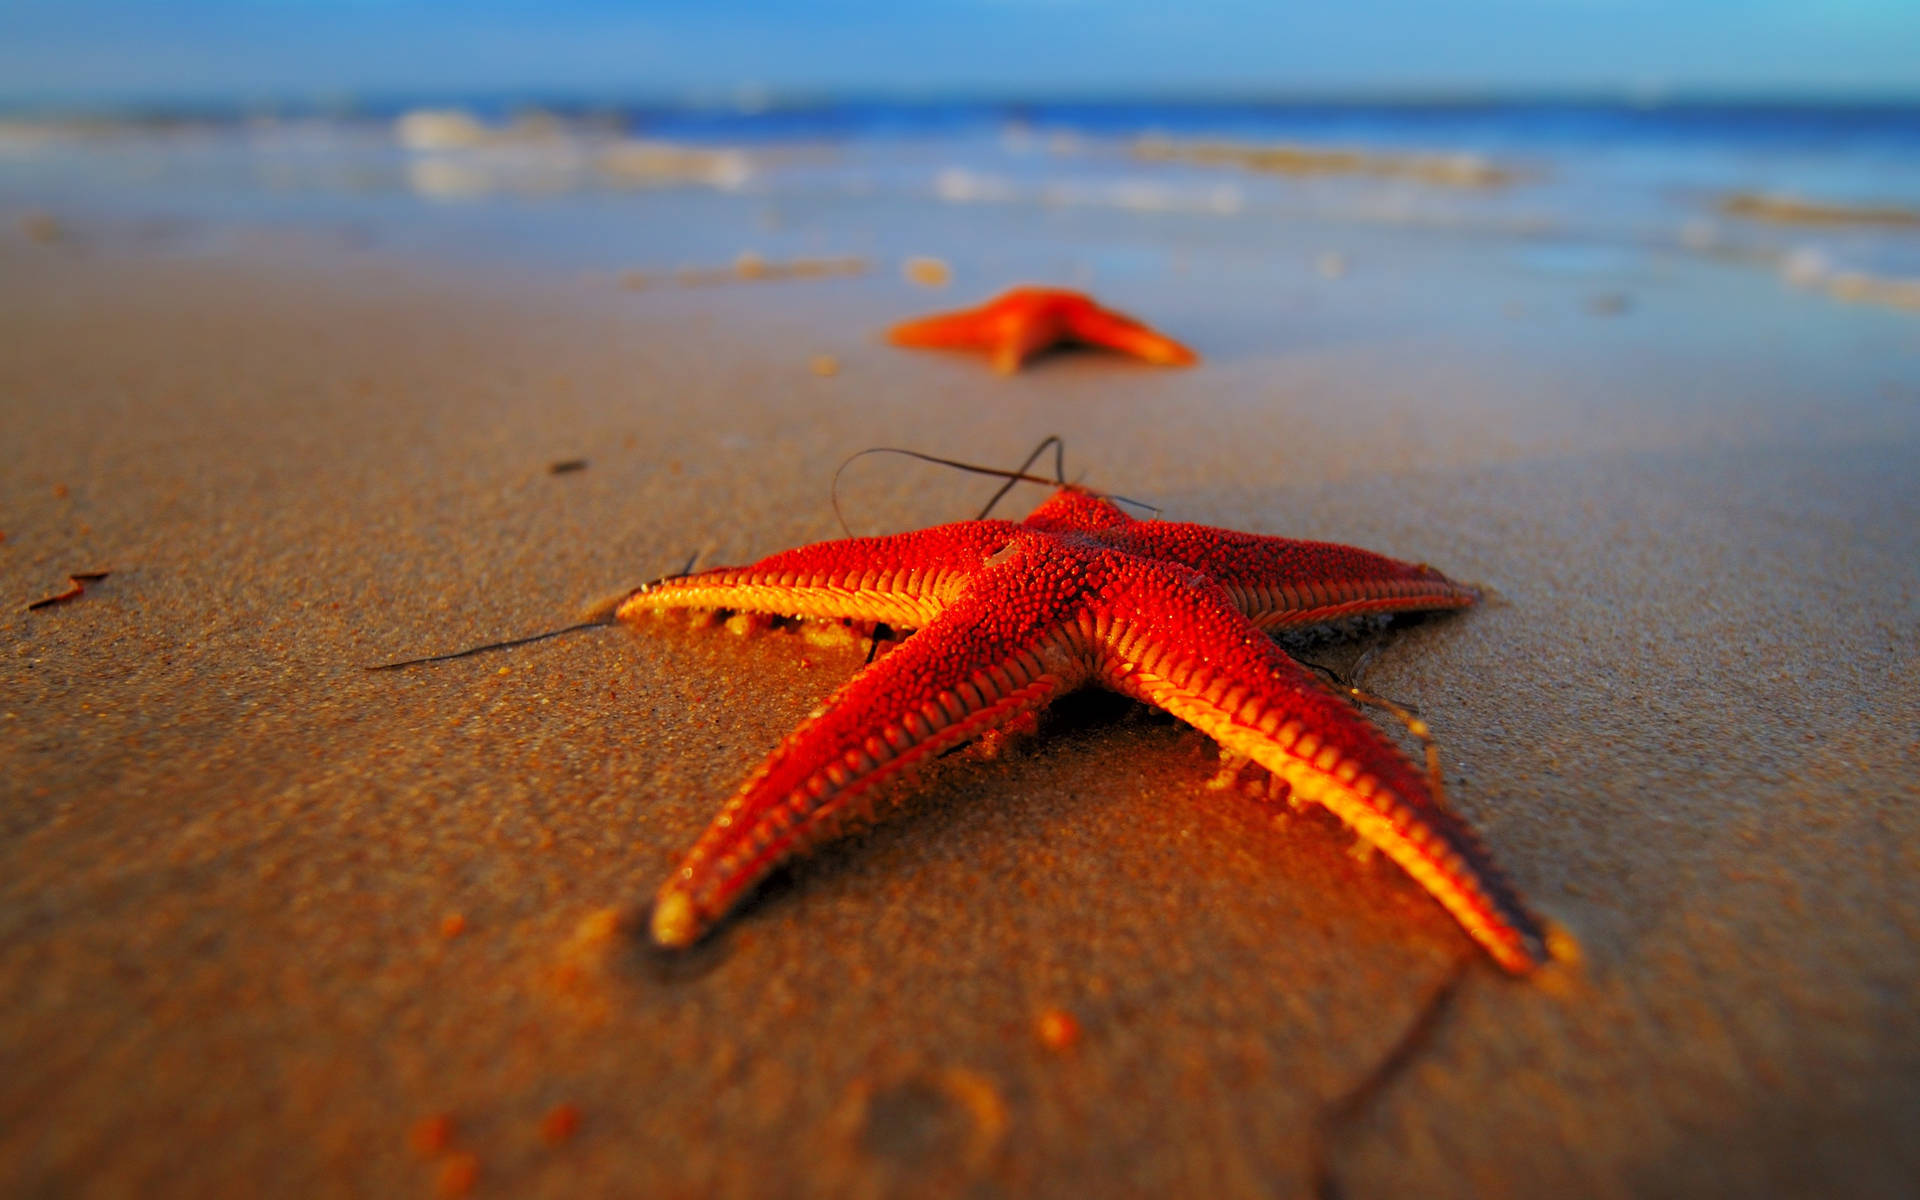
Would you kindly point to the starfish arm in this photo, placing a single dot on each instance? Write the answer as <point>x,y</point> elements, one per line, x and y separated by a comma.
<point>1104,327</point>
<point>1176,641</point>
<point>981,664</point>
<point>1010,330</point>
<point>971,330</point>
<point>1285,583</point>
<point>904,579</point>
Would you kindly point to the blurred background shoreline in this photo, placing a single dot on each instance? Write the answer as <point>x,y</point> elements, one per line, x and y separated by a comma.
<point>1824,193</point>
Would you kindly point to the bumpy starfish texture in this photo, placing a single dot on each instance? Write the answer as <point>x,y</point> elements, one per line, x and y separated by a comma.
<point>1010,615</point>
<point>1027,320</point>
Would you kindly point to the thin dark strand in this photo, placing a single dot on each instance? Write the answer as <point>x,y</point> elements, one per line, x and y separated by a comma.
<point>930,458</point>
<point>596,623</point>
<point>1333,677</point>
<point>1059,470</point>
<point>1338,1118</point>
<point>1142,505</point>
<point>1407,715</point>
<point>1020,476</point>
<point>1436,782</point>
<point>507,645</point>
<point>1361,664</point>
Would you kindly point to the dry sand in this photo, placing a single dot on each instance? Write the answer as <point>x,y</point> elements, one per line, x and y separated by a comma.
<point>263,913</point>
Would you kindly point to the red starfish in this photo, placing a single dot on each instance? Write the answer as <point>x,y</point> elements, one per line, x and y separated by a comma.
<point>1028,320</point>
<point>1011,615</point>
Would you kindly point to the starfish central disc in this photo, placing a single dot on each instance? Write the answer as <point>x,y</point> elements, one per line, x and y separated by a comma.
<point>1013,614</point>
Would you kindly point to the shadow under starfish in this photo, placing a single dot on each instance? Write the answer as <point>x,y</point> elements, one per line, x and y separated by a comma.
<point>1012,615</point>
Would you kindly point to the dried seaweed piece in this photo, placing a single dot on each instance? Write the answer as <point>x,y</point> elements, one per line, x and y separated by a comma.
<point>77,582</point>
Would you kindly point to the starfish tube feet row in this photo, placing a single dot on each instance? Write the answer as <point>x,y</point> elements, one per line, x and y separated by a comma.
<point>905,579</point>
<point>1230,681</point>
<point>937,690</point>
<point>1011,616</point>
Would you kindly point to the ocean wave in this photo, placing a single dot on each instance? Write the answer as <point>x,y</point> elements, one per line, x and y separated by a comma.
<point>962,185</point>
<point>1458,170</point>
<point>1809,267</point>
<point>458,155</point>
<point>1778,209</point>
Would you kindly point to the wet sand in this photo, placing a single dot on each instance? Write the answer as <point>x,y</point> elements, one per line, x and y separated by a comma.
<point>263,913</point>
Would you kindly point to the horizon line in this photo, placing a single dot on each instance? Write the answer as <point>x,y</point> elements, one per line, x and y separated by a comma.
<point>750,99</point>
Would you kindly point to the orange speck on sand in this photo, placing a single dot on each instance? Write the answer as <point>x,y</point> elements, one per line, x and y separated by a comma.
<point>749,264</point>
<point>585,952</point>
<point>431,1135</point>
<point>927,272</point>
<point>452,925</point>
<point>826,366</point>
<point>457,1176</point>
<point>597,929</point>
<point>560,1124</point>
<point>586,963</point>
<point>1058,1029</point>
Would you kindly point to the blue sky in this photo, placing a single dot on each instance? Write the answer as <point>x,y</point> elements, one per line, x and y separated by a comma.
<point>218,49</point>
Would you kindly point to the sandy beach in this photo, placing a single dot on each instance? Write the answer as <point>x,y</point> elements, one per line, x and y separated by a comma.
<point>265,916</point>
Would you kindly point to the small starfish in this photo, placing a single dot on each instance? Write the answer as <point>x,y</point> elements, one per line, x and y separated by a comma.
<point>1028,320</point>
<point>1011,615</point>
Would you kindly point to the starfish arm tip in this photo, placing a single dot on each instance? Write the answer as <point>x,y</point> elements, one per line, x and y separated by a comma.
<point>1557,965</point>
<point>674,925</point>
<point>936,332</point>
<point>1162,351</point>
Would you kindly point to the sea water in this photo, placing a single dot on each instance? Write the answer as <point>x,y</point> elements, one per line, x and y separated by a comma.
<point>1821,197</point>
